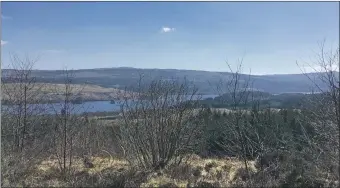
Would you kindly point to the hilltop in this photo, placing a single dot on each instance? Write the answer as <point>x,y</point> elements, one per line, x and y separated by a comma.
<point>206,81</point>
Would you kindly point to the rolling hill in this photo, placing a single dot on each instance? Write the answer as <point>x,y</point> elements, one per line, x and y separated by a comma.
<point>206,81</point>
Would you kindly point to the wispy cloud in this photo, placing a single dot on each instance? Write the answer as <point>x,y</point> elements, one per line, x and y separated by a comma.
<point>3,42</point>
<point>168,29</point>
<point>5,17</point>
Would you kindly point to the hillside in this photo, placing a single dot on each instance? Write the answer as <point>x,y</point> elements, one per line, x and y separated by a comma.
<point>263,99</point>
<point>53,92</point>
<point>206,81</point>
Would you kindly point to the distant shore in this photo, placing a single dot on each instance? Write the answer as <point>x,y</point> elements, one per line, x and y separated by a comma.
<point>53,93</point>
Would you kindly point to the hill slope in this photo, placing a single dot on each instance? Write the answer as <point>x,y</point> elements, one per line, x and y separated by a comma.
<point>54,92</point>
<point>206,81</point>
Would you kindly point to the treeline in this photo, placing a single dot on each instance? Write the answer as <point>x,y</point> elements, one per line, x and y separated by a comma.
<point>286,100</point>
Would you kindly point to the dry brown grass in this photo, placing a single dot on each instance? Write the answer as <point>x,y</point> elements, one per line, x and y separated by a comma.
<point>47,174</point>
<point>114,172</point>
<point>117,172</point>
<point>198,171</point>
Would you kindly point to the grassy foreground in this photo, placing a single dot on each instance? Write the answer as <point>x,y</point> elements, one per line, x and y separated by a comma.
<point>114,172</point>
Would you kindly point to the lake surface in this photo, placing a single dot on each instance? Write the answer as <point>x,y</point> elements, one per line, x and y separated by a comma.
<point>91,106</point>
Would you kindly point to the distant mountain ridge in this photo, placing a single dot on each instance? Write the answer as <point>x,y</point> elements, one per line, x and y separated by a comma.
<point>206,81</point>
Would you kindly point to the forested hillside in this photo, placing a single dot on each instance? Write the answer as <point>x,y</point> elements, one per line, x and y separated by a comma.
<point>206,81</point>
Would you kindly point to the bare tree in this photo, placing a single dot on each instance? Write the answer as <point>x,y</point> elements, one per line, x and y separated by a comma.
<point>235,91</point>
<point>323,110</point>
<point>245,133</point>
<point>21,118</point>
<point>67,124</point>
<point>158,125</point>
<point>20,90</point>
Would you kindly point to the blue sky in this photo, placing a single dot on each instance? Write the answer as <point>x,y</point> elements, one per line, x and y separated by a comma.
<point>270,36</point>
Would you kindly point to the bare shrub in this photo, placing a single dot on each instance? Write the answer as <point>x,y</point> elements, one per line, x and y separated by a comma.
<point>20,90</point>
<point>21,132</point>
<point>236,91</point>
<point>322,114</point>
<point>66,124</point>
<point>159,123</point>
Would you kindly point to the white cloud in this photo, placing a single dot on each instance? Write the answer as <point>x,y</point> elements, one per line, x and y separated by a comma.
<point>168,29</point>
<point>3,42</point>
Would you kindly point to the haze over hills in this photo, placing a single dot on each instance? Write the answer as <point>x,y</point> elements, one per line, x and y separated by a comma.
<point>206,81</point>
